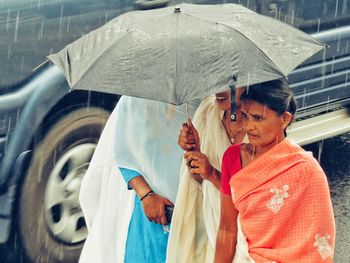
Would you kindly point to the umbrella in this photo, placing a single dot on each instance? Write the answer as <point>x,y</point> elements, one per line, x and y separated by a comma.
<point>180,53</point>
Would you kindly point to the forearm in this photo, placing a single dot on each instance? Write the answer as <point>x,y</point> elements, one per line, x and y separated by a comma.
<point>197,178</point>
<point>140,186</point>
<point>215,178</point>
<point>225,246</point>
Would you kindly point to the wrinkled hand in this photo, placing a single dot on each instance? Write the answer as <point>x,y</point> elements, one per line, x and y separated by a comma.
<point>154,208</point>
<point>188,138</point>
<point>198,164</point>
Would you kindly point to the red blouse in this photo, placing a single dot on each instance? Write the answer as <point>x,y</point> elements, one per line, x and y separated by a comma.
<point>231,164</point>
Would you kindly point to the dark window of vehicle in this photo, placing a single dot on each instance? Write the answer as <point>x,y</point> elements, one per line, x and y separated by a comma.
<point>31,30</point>
<point>308,15</point>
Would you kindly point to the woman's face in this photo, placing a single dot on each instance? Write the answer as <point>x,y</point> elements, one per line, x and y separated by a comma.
<point>223,99</point>
<point>263,126</point>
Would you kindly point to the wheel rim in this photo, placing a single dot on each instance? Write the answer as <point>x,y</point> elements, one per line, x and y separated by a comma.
<point>63,214</point>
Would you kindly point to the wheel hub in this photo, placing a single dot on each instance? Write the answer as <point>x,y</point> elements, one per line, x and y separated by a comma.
<point>63,214</point>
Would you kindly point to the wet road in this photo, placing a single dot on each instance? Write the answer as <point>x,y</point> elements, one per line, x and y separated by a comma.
<point>334,156</point>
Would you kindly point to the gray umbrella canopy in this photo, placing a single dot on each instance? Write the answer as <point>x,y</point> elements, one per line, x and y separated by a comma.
<point>177,54</point>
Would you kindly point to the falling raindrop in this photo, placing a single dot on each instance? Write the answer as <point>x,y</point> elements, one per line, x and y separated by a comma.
<point>279,13</point>
<point>54,157</point>
<point>318,24</point>
<point>68,24</point>
<point>46,239</point>
<point>9,51</point>
<point>61,24</point>
<point>106,17</point>
<point>303,104</point>
<point>17,116</point>
<point>15,243</point>
<point>336,9</point>
<point>8,20</point>
<point>327,105</point>
<point>332,66</point>
<point>16,27</point>
<point>338,44</point>
<point>325,8</point>
<point>22,63</point>
<point>41,31</point>
<point>89,99</point>
<point>292,18</point>
<point>276,13</point>
<point>345,9</point>
<point>320,148</point>
<point>324,56</point>
<point>61,254</point>
<point>38,5</point>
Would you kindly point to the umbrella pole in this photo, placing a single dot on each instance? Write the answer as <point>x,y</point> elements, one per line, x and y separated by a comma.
<point>187,115</point>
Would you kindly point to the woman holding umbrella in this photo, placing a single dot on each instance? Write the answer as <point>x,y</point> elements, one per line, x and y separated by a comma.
<point>275,199</point>
<point>197,210</point>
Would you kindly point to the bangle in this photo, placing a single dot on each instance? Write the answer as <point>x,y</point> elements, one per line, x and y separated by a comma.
<point>147,194</point>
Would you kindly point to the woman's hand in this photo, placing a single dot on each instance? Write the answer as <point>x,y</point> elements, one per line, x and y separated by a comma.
<point>152,203</point>
<point>188,138</point>
<point>154,208</point>
<point>199,164</point>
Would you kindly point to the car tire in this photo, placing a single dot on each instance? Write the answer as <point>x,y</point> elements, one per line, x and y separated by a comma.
<point>51,225</point>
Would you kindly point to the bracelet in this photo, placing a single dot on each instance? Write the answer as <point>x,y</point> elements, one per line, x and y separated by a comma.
<point>147,194</point>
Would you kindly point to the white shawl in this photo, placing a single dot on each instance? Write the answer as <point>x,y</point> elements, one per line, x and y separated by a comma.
<point>193,232</point>
<point>196,215</point>
<point>139,135</point>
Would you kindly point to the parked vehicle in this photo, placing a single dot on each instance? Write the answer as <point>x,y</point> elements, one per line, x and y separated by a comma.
<point>39,207</point>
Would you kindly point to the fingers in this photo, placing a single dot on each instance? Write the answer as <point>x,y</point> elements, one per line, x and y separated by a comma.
<point>186,143</point>
<point>188,138</point>
<point>185,139</point>
<point>194,132</point>
<point>193,155</point>
<point>168,202</point>
<point>155,209</point>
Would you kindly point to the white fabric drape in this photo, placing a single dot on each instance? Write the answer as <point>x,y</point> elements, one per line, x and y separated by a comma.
<point>197,211</point>
<point>140,135</point>
<point>102,189</point>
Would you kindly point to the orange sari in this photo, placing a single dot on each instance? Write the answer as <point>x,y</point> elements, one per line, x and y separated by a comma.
<point>285,208</point>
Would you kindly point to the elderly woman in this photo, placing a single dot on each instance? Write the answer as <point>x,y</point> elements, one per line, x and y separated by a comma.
<point>197,210</point>
<point>275,200</point>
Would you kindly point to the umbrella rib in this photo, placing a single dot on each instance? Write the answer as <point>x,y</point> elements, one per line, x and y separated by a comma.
<point>176,60</point>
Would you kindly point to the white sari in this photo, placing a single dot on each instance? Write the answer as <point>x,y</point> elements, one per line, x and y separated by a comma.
<point>140,135</point>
